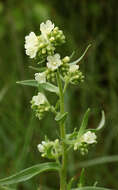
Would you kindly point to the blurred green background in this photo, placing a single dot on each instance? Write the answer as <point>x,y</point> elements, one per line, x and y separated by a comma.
<point>83,22</point>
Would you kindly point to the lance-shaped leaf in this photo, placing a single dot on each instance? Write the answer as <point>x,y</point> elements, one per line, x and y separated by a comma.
<point>28,173</point>
<point>82,56</point>
<point>102,122</point>
<point>37,69</point>
<point>46,86</point>
<point>49,87</point>
<point>91,188</point>
<point>82,178</point>
<point>100,125</point>
<point>84,123</point>
<point>28,83</point>
<point>61,117</point>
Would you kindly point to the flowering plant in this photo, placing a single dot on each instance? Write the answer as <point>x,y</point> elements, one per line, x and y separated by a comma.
<point>54,75</point>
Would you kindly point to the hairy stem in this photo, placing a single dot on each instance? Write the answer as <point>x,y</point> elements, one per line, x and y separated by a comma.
<point>63,172</point>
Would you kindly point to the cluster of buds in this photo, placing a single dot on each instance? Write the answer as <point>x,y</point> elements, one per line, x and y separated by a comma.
<point>85,140</point>
<point>57,37</point>
<point>65,66</point>
<point>43,45</point>
<point>40,105</point>
<point>75,74</point>
<point>50,149</point>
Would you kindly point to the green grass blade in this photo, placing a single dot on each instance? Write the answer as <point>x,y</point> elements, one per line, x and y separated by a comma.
<point>28,173</point>
<point>91,188</point>
<point>97,161</point>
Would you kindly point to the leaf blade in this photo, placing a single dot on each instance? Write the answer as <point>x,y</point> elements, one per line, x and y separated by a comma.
<point>91,188</point>
<point>50,87</point>
<point>61,117</point>
<point>28,173</point>
<point>46,86</point>
<point>82,56</point>
<point>84,123</point>
<point>28,83</point>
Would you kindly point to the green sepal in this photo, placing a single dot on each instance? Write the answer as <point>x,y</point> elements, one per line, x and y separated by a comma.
<point>61,117</point>
<point>28,173</point>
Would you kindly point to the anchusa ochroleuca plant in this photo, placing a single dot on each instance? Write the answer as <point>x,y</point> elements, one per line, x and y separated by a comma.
<point>54,74</point>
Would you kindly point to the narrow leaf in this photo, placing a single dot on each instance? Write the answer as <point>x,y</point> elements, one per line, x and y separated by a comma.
<point>101,124</point>
<point>28,173</point>
<point>6,188</point>
<point>84,123</point>
<point>91,188</point>
<point>82,56</point>
<point>72,54</point>
<point>49,87</point>
<point>70,183</point>
<point>61,117</point>
<point>37,69</point>
<point>28,83</point>
<point>46,86</point>
<point>82,178</point>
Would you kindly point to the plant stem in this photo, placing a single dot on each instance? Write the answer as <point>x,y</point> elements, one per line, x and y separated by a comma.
<point>63,172</point>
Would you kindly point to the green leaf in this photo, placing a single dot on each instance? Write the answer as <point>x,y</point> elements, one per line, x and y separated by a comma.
<point>101,124</point>
<point>37,69</point>
<point>46,86</point>
<point>91,188</point>
<point>82,56</point>
<point>84,123</point>
<point>28,83</point>
<point>28,173</point>
<point>72,54</point>
<point>6,188</point>
<point>70,183</point>
<point>61,117</point>
<point>82,178</point>
<point>49,87</point>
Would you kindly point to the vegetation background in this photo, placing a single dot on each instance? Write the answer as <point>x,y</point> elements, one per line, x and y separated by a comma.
<point>83,22</point>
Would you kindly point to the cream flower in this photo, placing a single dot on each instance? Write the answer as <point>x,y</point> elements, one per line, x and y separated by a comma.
<point>40,77</point>
<point>40,147</point>
<point>89,138</point>
<point>46,28</point>
<point>39,99</point>
<point>31,44</point>
<point>73,68</point>
<point>54,62</point>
